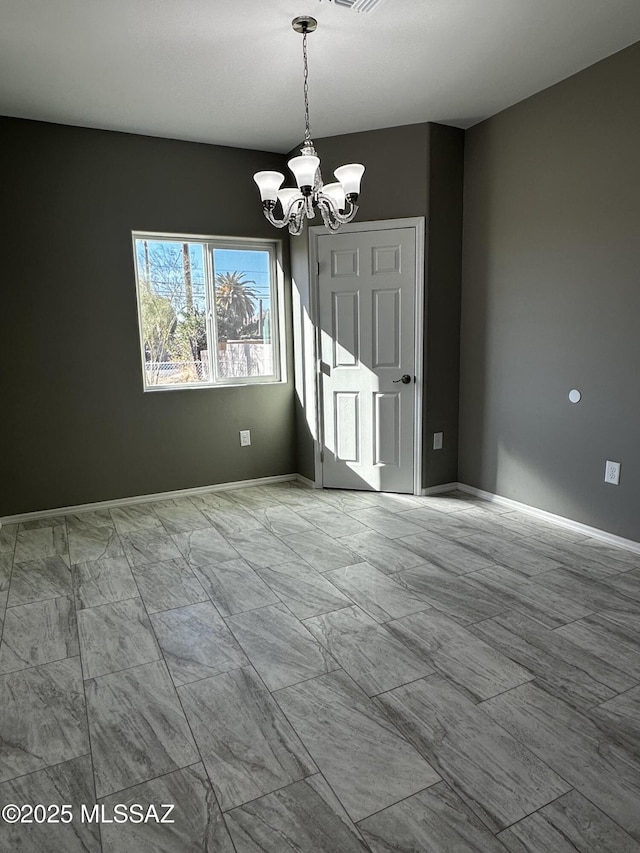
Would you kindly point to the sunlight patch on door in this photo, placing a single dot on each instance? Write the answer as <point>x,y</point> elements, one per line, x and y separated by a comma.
<point>347,426</point>
<point>386,429</point>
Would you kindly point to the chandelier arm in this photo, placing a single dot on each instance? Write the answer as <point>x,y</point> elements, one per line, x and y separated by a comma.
<point>328,213</point>
<point>291,212</point>
<point>326,203</point>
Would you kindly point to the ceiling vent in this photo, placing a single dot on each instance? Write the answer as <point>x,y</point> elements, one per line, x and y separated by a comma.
<point>359,5</point>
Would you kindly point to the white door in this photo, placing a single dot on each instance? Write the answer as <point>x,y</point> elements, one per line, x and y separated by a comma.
<point>367,303</point>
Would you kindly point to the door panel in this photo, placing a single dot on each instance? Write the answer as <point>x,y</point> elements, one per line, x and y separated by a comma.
<point>367,341</point>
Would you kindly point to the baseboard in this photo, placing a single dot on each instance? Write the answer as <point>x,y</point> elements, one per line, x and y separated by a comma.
<point>559,520</point>
<point>436,490</point>
<point>143,499</point>
<point>309,484</point>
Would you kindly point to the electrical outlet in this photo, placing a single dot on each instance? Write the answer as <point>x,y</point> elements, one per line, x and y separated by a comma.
<point>612,473</point>
<point>437,440</point>
<point>245,437</point>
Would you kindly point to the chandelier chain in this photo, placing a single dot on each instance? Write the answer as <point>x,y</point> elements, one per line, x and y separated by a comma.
<point>307,131</point>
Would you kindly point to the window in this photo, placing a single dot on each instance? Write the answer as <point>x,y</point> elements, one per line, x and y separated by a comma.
<point>208,310</point>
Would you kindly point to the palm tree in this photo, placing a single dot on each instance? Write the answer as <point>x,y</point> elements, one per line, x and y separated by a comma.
<point>235,303</point>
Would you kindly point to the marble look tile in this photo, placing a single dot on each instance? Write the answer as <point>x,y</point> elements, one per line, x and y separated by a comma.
<point>451,594</point>
<point>279,647</point>
<point>281,520</point>
<point>168,584</point>
<point>332,521</point>
<point>475,667</point>
<point>37,580</point>
<point>135,517</point>
<point>213,501</point>
<point>435,819</point>
<point>609,554</point>
<point>346,501</point>
<point>38,633</point>
<point>532,599</point>
<point>252,496</point>
<point>387,523</point>
<point>261,548</point>
<point>544,659</point>
<point>179,515</point>
<point>453,557</point>
<point>580,648</point>
<point>621,717</point>
<point>591,592</point>
<point>42,719</point>
<point>495,774</point>
<point>627,583</point>
<point>613,639</point>
<point>456,501</point>
<point>575,745</point>
<point>381,596</point>
<point>197,825</point>
<point>149,546</point>
<point>89,519</point>
<point>94,543</point>
<point>321,551</point>
<point>511,554</point>
<point>70,782</point>
<point>303,816</point>
<point>138,729</point>
<point>452,525</point>
<point>304,590</point>
<point>395,502</point>
<point>359,752</point>
<point>115,636</point>
<point>374,658</point>
<point>235,519</point>
<point>234,587</point>
<point>202,547</point>
<point>569,553</point>
<point>247,745</point>
<point>387,555</point>
<point>8,534</point>
<point>102,581</point>
<point>569,824</point>
<point>41,542</point>
<point>6,562</point>
<point>196,643</point>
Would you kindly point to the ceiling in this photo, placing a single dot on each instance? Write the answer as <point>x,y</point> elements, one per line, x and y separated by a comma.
<point>230,71</point>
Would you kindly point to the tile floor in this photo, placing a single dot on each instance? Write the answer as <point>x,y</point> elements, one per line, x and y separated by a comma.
<point>320,671</point>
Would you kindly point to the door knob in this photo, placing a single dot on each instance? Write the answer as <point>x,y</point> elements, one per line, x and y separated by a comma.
<point>406,379</point>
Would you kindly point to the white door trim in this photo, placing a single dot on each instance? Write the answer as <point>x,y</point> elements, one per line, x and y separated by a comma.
<point>418,223</point>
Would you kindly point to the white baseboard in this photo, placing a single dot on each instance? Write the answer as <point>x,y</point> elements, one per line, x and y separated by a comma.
<point>559,520</point>
<point>143,499</point>
<point>309,484</point>
<point>436,490</point>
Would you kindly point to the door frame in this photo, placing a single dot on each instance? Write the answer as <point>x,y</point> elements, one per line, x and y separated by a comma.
<point>418,224</point>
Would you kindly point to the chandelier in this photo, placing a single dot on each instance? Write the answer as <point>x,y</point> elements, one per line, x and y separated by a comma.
<point>337,202</point>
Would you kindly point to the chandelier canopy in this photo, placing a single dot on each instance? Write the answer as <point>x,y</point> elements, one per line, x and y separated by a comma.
<point>337,202</point>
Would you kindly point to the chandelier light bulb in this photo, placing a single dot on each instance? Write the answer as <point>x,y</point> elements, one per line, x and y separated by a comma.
<point>335,202</point>
<point>336,194</point>
<point>269,183</point>
<point>350,177</point>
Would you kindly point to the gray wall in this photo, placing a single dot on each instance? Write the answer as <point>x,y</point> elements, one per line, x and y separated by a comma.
<point>76,425</point>
<point>551,298</point>
<point>414,170</point>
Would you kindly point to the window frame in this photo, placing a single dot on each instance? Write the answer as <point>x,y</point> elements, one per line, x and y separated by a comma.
<point>209,244</point>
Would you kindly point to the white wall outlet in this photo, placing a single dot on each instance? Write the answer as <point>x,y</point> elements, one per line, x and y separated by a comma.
<point>612,473</point>
<point>245,437</point>
<point>437,440</point>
